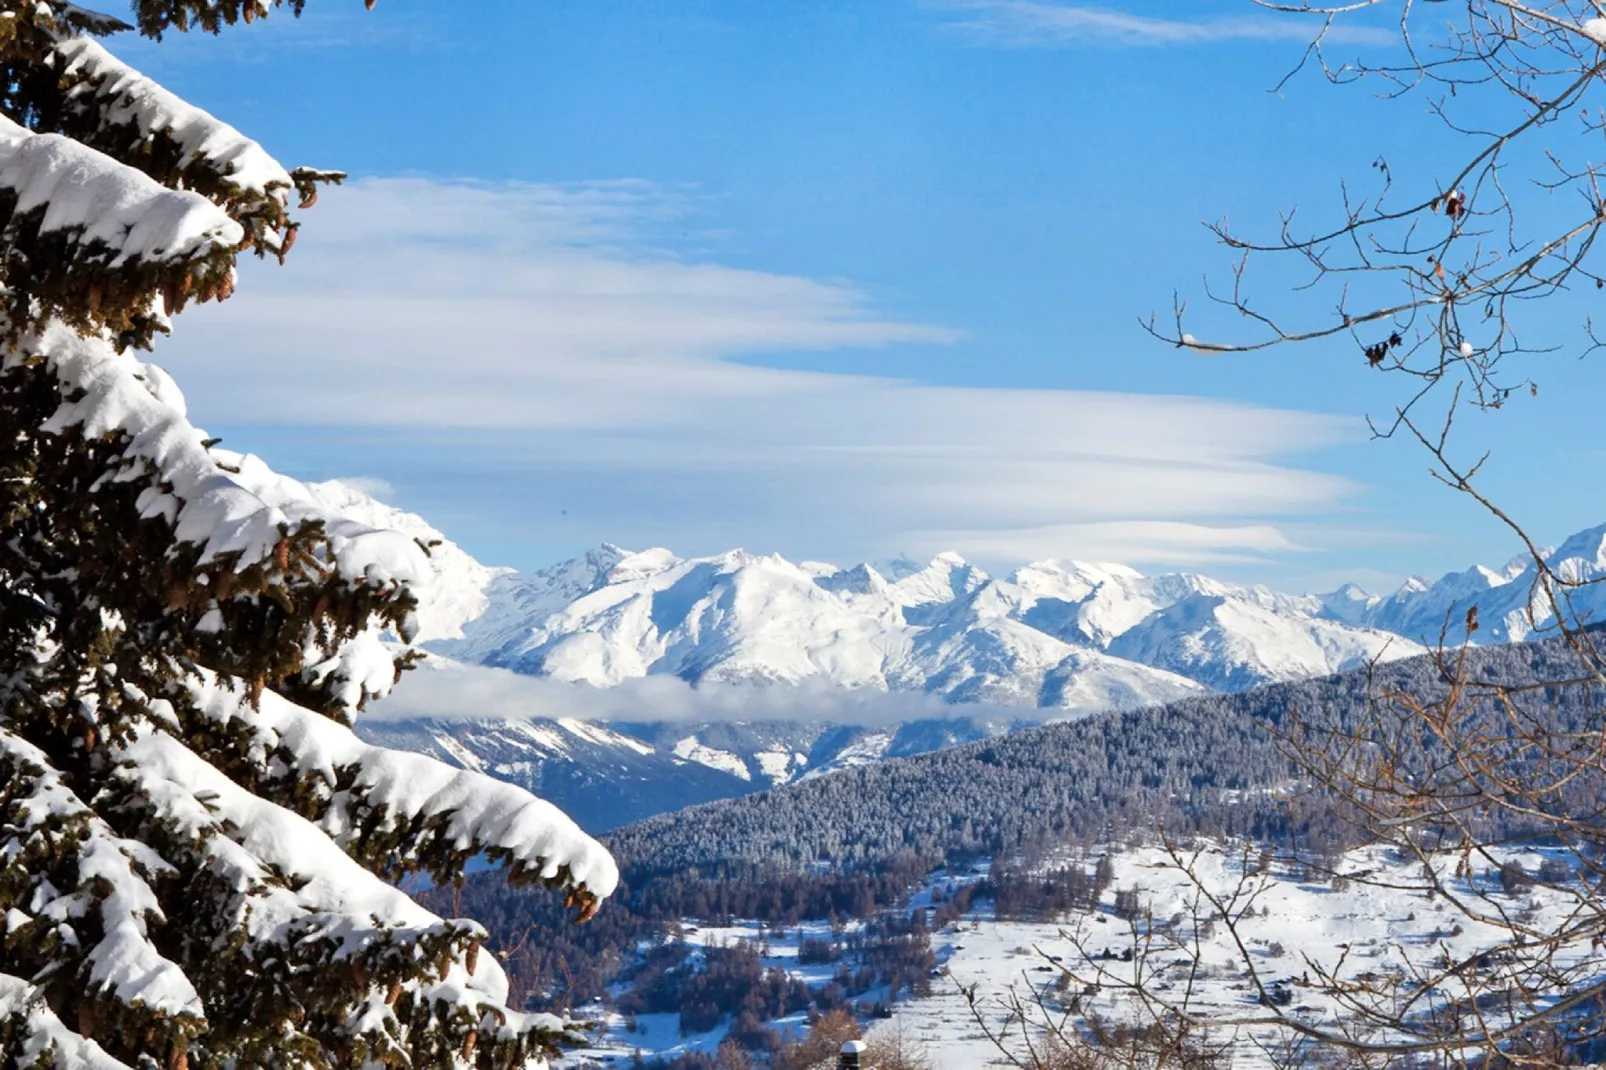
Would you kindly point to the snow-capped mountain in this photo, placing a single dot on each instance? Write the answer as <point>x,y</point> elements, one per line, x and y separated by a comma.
<point>1052,635</point>
<point>1510,606</point>
<point>1051,639</point>
<point>1231,639</point>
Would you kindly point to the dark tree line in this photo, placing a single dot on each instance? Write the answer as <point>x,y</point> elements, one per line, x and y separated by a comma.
<point>574,965</point>
<point>1030,893</point>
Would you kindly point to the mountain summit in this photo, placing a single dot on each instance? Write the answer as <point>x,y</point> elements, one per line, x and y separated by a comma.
<point>1054,635</point>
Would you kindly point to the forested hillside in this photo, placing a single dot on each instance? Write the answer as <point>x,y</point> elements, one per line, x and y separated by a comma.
<point>1202,764</point>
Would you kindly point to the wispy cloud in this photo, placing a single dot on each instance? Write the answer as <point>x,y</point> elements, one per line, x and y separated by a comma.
<point>1126,541</point>
<point>1029,23</point>
<point>517,305</point>
<point>536,349</point>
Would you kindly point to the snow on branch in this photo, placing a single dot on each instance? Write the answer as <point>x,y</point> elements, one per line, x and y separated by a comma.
<point>359,552</point>
<point>209,155</point>
<point>255,840</point>
<point>299,890</point>
<point>99,243</point>
<point>241,516</point>
<point>113,885</point>
<point>42,1039</point>
<point>438,806</point>
<point>116,214</point>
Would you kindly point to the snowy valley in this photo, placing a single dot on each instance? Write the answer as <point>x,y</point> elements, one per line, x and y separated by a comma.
<point>291,780</point>
<point>888,889</point>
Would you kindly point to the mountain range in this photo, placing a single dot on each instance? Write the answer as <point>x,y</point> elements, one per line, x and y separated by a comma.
<point>1052,640</point>
<point>1054,635</point>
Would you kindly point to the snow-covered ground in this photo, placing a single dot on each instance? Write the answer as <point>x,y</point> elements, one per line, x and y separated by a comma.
<point>1299,926</point>
<point>1297,929</point>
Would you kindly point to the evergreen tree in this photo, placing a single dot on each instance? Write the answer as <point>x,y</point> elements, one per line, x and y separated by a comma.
<point>198,856</point>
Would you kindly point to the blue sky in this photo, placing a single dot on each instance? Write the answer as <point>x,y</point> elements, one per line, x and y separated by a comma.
<point>836,280</point>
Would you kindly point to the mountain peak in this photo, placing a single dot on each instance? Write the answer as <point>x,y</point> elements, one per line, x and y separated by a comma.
<point>1587,546</point>
<point>1057,571</point>
<point>627,566</point>
<point>1413,585</point>
<point>860,579</point>
<point>944,628</point>
<point>949,577</point>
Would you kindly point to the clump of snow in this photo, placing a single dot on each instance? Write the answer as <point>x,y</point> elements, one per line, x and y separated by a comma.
<point>1595,30</point>
<point>482,812</point>
<point>297,885</point>
<point>108,203</point>
<point>114,874</point>
<point>244,512</point>
<point>363,667</point>
<point>128,97</point>
<point>44,1038</point>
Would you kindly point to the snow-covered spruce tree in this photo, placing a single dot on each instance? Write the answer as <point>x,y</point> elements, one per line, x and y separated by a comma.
<point>197,856</point>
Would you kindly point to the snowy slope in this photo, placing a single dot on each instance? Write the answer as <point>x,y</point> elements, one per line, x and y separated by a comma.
<point>1509,608</point>
<point>1233,641</point>
<point>458,595</point>
<point>1377,925</point>
<point>1373,927</point>
<point>608,775</point>
<point>736,617</point>
<point>601,775</point>
<point>1055,635</point>
<point>979,651</point>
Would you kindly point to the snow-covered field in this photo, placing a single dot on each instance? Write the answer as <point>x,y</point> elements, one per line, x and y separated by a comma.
<point>1295,928</point>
